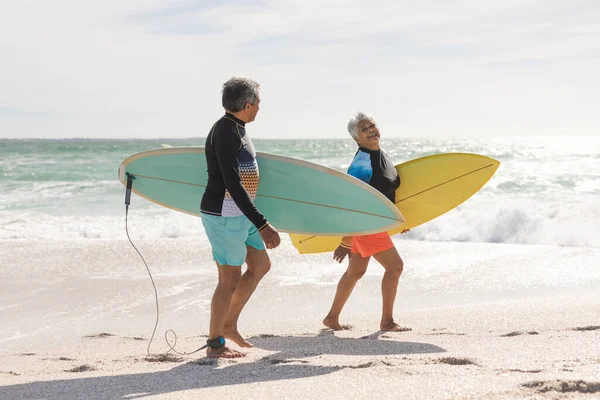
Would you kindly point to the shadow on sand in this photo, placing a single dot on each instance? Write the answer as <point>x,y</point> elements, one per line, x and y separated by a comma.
<point>203,373</point>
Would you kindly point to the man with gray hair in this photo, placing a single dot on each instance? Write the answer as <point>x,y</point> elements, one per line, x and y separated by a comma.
<point>236,229</point>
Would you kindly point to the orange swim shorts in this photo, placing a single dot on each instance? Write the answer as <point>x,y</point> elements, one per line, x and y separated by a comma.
<point>371,244</point>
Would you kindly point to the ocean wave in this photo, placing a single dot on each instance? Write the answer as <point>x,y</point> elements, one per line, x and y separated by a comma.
<point>155,224</point>
<point>18,194</point>
<point>481,219</point>
<point>520,221</point>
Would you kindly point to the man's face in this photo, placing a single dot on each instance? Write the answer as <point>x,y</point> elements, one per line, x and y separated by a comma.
<point>253,109</point>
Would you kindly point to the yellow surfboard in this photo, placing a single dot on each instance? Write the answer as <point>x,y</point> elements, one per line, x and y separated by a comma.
<point>430,186</point>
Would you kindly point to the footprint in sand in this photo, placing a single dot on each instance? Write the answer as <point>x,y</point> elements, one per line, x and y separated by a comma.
<point>205,361</point>
<point>276,361</point>
<point>524,371</point>
<point>375,364</point>
<point>561,386</point>
<point>81,368</point>
<point>519,333</point>
<point>166,358</point>
<point>267,335</point>
<point>99,335</point>
<point>365,365</point>
<point>455,361</point>
<point>586,328</point>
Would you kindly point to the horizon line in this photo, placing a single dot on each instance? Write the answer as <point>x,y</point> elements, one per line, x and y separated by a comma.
<point>309,138</point>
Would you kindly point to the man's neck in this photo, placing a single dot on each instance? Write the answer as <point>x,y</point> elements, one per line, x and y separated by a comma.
<point>239,115</point>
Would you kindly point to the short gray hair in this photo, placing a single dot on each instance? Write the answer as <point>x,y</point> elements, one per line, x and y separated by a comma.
<point>238,91</point>
<point>353,123</point>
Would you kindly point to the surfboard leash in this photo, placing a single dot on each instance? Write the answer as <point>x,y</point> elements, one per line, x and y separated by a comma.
<point>128,189</point>
<point>129,186</point>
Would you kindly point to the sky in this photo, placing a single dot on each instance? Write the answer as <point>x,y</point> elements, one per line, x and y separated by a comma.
<point>427,68</point>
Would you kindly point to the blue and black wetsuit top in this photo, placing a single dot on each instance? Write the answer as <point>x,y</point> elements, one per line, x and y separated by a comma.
<point>232,172</point>
<point>377,169</point>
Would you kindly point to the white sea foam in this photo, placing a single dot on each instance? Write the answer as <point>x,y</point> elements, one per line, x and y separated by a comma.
<point>481,219</point>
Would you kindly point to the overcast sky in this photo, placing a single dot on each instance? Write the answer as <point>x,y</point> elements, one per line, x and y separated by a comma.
<point>150,68</point>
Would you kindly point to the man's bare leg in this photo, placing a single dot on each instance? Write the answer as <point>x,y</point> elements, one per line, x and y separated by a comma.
<point>393,264</point>
<point>258,263</point>
<point>356,269</point>
<point>229,277</point>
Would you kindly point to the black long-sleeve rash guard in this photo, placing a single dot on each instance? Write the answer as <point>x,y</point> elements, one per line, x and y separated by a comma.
<point>232,172</point>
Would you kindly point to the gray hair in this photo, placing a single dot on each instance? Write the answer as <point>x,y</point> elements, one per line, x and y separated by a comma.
<point>238,91</point>
<point>353,123</point>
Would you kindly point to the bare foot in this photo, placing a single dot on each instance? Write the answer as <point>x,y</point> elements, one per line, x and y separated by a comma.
<point>235,337</point>
<point>391,326</point>
<point>333,323</point>
<point>223,352</point>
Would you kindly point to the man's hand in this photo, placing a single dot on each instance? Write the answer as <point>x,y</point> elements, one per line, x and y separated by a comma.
<point>270,236</point>
<point>340,253</point>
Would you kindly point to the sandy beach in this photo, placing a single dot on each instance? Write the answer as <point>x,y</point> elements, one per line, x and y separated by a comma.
<point>501,292</point>
<point>497,321</point>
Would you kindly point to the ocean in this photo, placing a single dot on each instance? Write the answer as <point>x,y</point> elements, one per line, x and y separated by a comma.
<point>546,190</point>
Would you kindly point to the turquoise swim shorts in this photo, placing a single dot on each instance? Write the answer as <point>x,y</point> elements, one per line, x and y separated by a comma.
<point>229,236</point>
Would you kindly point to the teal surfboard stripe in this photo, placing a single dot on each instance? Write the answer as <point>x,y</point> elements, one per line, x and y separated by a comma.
<point>265,195</point>
<point>295,195</point>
